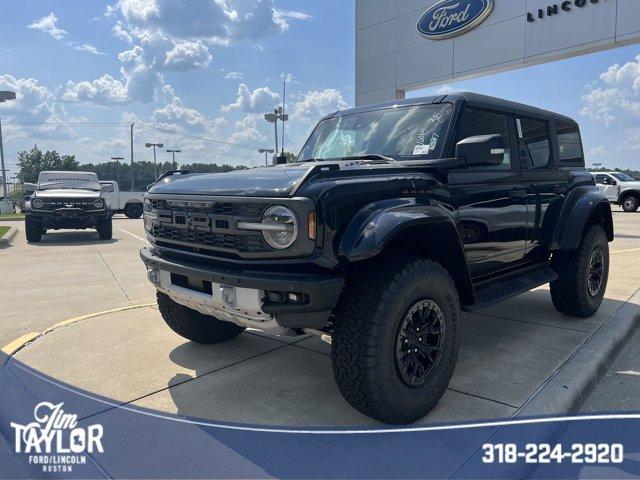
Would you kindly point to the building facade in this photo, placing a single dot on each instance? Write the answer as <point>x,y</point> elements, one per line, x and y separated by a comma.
<point>403,45</point>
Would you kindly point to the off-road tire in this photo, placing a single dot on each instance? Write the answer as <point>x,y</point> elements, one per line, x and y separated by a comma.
<point>194,325</point>
<point>33,230</point>
<point>133,210</point>
<point>105,229</point>
<point>630,203</point>
<point>368,317</point>
<point>570,292</point>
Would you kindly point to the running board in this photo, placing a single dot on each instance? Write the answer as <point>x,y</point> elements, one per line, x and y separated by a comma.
<point>510,287</point>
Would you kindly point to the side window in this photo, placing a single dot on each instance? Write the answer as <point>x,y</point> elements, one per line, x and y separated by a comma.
<point>535,149</point>
<point>569,143</point>
<point>482,122</point>
<point>601,179</point>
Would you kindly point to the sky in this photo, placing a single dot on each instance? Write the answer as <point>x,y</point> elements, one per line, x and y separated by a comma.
<point>198,75</point>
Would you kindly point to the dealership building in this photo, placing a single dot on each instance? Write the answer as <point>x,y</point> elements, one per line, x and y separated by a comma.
<point>404,45</point>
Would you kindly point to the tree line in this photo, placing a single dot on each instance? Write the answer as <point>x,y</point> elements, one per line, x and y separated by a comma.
<point>32,162</point>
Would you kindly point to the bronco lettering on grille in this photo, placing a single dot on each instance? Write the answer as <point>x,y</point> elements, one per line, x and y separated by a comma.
<point>201,222</point>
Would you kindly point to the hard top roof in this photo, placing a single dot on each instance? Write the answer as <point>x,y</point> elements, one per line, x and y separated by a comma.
<point>474,99</point>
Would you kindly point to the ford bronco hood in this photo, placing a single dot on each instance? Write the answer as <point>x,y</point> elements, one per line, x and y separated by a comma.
<point>257,182</point>
<point>67,193</point>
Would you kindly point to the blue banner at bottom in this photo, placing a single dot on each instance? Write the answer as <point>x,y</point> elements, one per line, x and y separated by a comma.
<point>55,431</point>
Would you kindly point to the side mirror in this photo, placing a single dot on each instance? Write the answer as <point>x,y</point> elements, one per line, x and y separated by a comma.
<point>107,188</point>
<point>481,150</point>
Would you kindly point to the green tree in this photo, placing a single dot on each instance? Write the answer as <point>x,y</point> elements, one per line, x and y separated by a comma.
<point>32,162</point>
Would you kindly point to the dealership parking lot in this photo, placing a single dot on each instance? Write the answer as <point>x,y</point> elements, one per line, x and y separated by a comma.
<point>129,355</point>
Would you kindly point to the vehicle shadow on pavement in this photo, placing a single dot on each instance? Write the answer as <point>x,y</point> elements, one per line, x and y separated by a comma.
<point>57,239</point>
<point>282,386</point>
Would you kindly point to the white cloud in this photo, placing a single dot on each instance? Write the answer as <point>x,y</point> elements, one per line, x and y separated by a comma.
<point>599,151</point>
<point>49,25</point>
<point>248,130</point>
<point>87,47</point>
<point>175,114</point>
<point>188,54</point>
<point>232,75</point>
<point>617,98</point>
<point>260,100</point>
<point>311,106</point>
<point>631,140</point>
<point>33,103</point>
<point>104,91</point>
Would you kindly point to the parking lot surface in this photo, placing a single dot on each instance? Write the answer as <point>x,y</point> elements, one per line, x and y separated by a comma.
<point>508,351</point>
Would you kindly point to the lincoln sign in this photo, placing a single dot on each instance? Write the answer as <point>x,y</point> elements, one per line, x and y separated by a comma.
<point>450,18</point>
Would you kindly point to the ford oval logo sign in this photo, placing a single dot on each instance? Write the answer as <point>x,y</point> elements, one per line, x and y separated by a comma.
<point>449,18</point>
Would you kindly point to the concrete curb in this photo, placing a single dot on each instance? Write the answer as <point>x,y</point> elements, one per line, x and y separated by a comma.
<point>565,391</point>
<point>573,382</point>
<point>12,219</point>
<point>7,237</point>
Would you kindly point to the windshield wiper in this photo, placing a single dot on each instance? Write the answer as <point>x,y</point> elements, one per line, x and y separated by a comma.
<point>370,156</point>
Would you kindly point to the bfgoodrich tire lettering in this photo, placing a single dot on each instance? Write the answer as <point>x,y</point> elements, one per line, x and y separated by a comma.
<point>578,291</point>
<point>365,338</point>
<point>194,325</point>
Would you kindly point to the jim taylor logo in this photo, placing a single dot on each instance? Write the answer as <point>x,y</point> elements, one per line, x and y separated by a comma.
<point>54,440</point>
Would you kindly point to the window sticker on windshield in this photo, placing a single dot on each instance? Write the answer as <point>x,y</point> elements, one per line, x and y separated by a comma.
<point>421,150</point>
<point>422,147</point>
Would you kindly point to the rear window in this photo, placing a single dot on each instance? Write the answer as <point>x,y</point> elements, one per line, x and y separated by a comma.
<point>569,143</point>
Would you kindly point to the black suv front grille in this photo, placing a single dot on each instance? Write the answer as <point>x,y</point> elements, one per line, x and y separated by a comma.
<point>54,204</point>
<point>253,210</point>
<point>207,226</point>
<point>237,242</point>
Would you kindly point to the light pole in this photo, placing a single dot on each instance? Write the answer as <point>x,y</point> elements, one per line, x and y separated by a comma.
<point>175,165</point>
<point>4,96</point>
<point>117,159</point>
<point>278,114</point>
<point>266,151</point>
<point>155,165</point>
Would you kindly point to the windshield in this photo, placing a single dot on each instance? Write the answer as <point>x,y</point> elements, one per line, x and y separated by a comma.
<point>84,180</point>
<point>623,178</point>
<point>402,133</point>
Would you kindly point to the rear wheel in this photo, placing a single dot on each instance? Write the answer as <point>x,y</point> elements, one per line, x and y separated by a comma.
<point>630,203</point>
<point>33,230</point>
<point>582,275</point>
<point>396,338</point>
<point>133,210</point>
<point>105,229</point>
<point>194,325</point>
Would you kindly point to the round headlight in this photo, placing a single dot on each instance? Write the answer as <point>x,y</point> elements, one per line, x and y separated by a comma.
<point>281,227</point>
<point>98,203</point>
<point>37,203</point>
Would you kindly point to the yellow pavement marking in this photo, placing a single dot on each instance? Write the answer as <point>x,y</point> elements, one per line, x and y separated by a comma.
<point>627,251</point>
<point>18,343</point>
<point>13,347</point>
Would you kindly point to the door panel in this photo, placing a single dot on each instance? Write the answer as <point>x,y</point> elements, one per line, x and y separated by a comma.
<point>491,217</point>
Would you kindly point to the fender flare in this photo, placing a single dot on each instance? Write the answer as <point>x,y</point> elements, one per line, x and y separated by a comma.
<point>631,191</point>
<point>581,204</point>
<point>379,223</point>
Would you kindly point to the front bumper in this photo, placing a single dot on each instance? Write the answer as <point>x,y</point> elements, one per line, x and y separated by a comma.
<point>320,291</point>
<point>68,217</point>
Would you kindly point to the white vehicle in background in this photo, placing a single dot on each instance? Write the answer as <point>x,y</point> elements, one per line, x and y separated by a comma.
<point>620,189</point>
<point>129,203</point>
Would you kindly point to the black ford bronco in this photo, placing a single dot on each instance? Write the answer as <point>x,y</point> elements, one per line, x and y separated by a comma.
<point>67,200</point>
<point>393,219</point>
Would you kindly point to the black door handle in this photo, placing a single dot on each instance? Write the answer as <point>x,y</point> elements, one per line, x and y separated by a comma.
<point>517,193</point>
